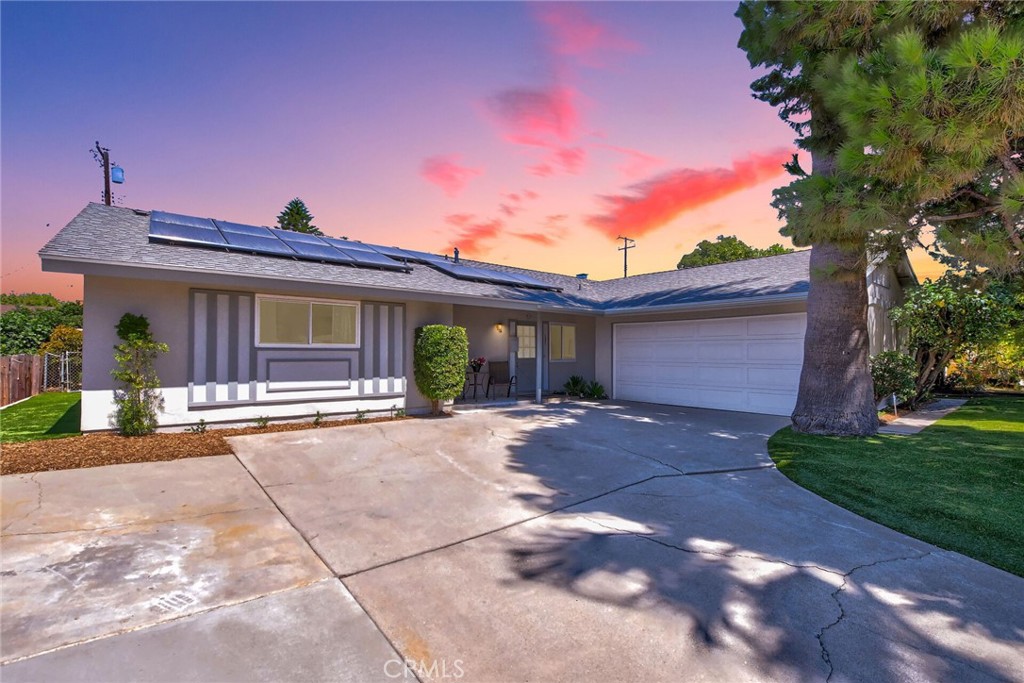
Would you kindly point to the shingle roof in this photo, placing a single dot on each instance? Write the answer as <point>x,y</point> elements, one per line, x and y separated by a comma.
<point>119,236</point>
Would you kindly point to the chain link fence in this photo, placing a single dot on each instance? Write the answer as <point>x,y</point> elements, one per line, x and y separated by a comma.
<point>62,371</point>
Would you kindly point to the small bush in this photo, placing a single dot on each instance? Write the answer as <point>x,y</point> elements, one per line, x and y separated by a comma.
<point>894,373</point>
<point>576,386</point>
<point>595,390</point>
<point>262,421</point>
<point>361,415</point>
<point>318,420</point>
<point>138,398</point>
<point>199,428</point>
<point>440,357</point>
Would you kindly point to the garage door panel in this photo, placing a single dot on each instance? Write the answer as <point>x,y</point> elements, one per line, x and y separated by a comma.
<point>747,364</point>
<point>719,351</point>
<point>780,325</point>
<point>772,377</point>
<point>728,327</point>
<point>778,351</point>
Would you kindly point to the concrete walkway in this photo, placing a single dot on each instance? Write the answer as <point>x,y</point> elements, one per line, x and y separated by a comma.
<point>563,542</point>
<point>914,422</point>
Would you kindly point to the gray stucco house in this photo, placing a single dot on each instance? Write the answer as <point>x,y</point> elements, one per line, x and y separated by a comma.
<point>263,323</point>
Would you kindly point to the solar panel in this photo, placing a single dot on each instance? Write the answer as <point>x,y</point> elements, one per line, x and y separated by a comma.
<point>350,245</point>
<point>292,236</point>
<point>238,241</point>
<point>365,257</point>
<point>179,232</point>
<point>241,229</point>
<point>321,252</point>
<point>179,219</point>
<point>493,276</point>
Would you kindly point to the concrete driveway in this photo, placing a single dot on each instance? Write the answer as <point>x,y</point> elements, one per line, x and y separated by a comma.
<point>565,542</point>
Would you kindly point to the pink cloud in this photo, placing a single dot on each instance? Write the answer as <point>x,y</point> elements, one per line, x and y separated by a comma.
<point>656,202</point>
<point>446,172</point>
<point>530,194</point>
<point>541,170</point>
<point>637,164</point>
<point>510,210</point>
<point>536,238</point>
<point>536,116</point>
<point>573,33</point>
<point>471,234</point>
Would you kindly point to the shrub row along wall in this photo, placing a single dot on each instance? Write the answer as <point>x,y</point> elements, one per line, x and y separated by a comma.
<point>21,376</point>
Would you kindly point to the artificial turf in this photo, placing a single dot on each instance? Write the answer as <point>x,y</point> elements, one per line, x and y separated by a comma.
<point>958,484</point>
<point>45,416</point>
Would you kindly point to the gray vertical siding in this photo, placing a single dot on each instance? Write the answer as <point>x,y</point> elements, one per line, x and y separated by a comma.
<point>226,367</point>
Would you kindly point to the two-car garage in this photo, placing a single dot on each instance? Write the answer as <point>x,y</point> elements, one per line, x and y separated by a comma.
<point>748,364</point>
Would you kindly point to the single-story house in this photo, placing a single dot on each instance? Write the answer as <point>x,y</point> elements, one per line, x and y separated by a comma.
<point>267,323</point>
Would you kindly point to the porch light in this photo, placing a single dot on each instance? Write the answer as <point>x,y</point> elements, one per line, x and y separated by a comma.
<point>499,327</point>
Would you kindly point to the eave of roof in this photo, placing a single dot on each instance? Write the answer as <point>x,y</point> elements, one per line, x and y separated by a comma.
<point>114,240</point>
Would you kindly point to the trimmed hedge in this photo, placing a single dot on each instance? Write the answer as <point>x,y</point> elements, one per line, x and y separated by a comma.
<point>440,357</point>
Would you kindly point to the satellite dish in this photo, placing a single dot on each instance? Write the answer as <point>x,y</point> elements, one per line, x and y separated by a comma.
<point>117,175</point>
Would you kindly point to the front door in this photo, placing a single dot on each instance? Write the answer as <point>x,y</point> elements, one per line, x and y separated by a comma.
<point>523,354</point>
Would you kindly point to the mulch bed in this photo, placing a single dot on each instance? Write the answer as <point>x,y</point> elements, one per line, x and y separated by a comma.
<point>96,450</point>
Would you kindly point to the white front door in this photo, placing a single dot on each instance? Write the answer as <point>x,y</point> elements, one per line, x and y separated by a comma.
<point>750,364</point>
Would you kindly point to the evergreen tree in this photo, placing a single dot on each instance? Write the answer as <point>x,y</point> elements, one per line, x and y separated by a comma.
<point>724,249</point>
<point>297,218</point>
<point>880,163</point>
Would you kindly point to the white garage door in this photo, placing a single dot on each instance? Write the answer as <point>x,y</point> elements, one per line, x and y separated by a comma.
<point>751,364</point>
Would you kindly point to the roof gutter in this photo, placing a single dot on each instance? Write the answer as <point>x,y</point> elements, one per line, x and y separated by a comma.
<point>84,266</point>
<point>703,305</point>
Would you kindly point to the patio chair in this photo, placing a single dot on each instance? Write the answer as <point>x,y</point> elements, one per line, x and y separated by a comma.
<point>498,374</point>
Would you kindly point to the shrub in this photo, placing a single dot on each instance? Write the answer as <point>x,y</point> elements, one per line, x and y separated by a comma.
<point>262,421</point>
<point>64,338</point>
<point>894,373</point>
<point>198,428</point>
<point>138,399</point>
<point>595,390</point>
<point>576,386</point>
<point>440,357</point>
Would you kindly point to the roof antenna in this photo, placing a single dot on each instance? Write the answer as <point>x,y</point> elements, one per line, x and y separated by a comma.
<point>456,251</point>
<point>627,244</point>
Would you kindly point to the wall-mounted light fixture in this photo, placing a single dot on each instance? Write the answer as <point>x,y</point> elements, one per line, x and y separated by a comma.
<point>499,327</point>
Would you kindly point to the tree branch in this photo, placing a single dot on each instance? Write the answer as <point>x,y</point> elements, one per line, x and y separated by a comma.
<point>1009,164</point>
<point>957,216</point>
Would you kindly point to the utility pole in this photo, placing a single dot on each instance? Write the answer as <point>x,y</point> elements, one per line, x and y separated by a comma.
<point>103,156</point>
<point>627,244</point>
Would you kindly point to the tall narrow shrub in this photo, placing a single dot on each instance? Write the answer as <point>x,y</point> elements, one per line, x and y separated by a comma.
<point>137,399</point>
<point>440,357</point>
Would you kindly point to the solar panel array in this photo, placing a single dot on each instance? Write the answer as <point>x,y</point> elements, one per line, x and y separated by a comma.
<point>252,239</point>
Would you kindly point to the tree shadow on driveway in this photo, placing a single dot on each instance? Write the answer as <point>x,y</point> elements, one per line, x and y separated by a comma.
<point>758,573</point>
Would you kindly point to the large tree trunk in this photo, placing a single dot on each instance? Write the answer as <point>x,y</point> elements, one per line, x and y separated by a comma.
<point>835,384</point>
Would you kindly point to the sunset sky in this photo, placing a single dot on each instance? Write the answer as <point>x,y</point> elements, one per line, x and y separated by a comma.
<point>528,134</point>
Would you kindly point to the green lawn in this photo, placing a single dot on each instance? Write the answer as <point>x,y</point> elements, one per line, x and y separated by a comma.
<point>44,416</point>
<point>959,484</point>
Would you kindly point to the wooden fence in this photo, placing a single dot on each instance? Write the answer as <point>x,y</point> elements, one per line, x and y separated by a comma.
<point>21,376</point>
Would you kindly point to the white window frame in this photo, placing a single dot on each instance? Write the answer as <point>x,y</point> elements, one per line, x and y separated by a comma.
<point>309,332</point>
<point>561,358</point>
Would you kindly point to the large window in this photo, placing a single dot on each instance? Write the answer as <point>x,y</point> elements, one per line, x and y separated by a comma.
<point>561,342</point>
<point>527,335</point>
<point>300,322</point>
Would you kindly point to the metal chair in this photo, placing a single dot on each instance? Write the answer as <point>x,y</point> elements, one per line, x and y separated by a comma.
<point>498,374</point>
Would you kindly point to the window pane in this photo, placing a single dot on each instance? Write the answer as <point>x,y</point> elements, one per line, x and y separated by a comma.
<point>334,324</point>
<point>568,342</point>
<point>284,322</point>
<point>527,341</point>
<point>555,342</point>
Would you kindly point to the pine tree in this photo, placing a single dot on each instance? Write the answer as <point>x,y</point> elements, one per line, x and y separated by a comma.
<point>878,167</point>
<point>296,217</point>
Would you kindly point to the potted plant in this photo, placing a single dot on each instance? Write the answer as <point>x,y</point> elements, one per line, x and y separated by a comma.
<point>475,364</point>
